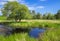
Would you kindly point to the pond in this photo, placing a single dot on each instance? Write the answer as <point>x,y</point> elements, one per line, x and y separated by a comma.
<point>33,32</point>
<point>5,30</point>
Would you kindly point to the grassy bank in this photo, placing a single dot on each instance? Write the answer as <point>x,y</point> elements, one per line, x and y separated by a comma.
<point>32,23</point>
<point>36,23</point>
<point>52,34</point>
<point>17,37</point>
<point>49,35</point>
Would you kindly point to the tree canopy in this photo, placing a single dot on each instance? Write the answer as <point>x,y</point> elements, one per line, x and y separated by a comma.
<point>15,10</point>
<point>58,15</point>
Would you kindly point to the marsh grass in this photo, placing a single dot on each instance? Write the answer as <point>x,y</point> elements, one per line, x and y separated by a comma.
<point>17,37</point>
<point>52,34</point>
<point>35,24</point>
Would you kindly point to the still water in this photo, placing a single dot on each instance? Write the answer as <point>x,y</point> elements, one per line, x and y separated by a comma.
<point>33,32</point>
<point>5,30</point>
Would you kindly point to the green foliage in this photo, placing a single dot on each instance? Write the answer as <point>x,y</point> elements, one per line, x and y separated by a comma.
<point>38,16</point>
<point>14,10</point>
<point>3,18</point>
<point>33,13</point>
<point>17,11</point>
<point>35,24</point>
<point>48,16</point>
<point>44,16</point>
<point>52,34</point>
<point>17,37</point>
<point>58,15</point>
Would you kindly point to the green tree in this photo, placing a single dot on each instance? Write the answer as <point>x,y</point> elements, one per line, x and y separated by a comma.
<point>14,10</point>
<point>38,16</point>
<point>48,16</point>
<point>58,15</point>
<point>45,16</point>
<point>33,13</point>
<point>2,17</point>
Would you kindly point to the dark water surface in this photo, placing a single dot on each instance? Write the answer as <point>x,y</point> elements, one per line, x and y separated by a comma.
<point>5,30</point>
<point>33,32</point>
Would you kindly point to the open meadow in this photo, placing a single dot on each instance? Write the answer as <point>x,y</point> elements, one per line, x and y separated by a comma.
<point>29,20</point>
<point>52,34</point>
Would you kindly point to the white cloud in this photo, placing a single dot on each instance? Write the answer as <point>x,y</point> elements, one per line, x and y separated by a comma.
<point>20,1</point>
<point>23,2</point>
<point>2,3</point>
<point>40,7</point>
<point>12,0</point>
<point>31,8</point>
<point>35,7</point>
<point>43,0</point>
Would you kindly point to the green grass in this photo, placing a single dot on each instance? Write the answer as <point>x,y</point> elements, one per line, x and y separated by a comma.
<point>3,18</point>
<point>49,35</point>
<point>35,24</point>
<point>17,37</point>
<point>52,34</point>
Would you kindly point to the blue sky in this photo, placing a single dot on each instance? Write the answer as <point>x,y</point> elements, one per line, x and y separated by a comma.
<point>42,6</point>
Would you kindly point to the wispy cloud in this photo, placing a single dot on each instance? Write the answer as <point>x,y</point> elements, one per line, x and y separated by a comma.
<point>43,0</point>
<point>36,7</point>
<point>31,8</point>
<point>20,1</point>
<point>2,3</point>
<point>40,7</point>
<point>12,0</point>
<point>23,2</point>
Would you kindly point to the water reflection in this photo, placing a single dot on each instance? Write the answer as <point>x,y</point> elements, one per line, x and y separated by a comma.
<point>5,30</point>
<point>33,32</point>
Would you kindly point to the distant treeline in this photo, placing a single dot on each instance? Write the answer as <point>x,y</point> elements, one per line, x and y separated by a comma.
<point>48,16</point>
<point>17,11</point>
